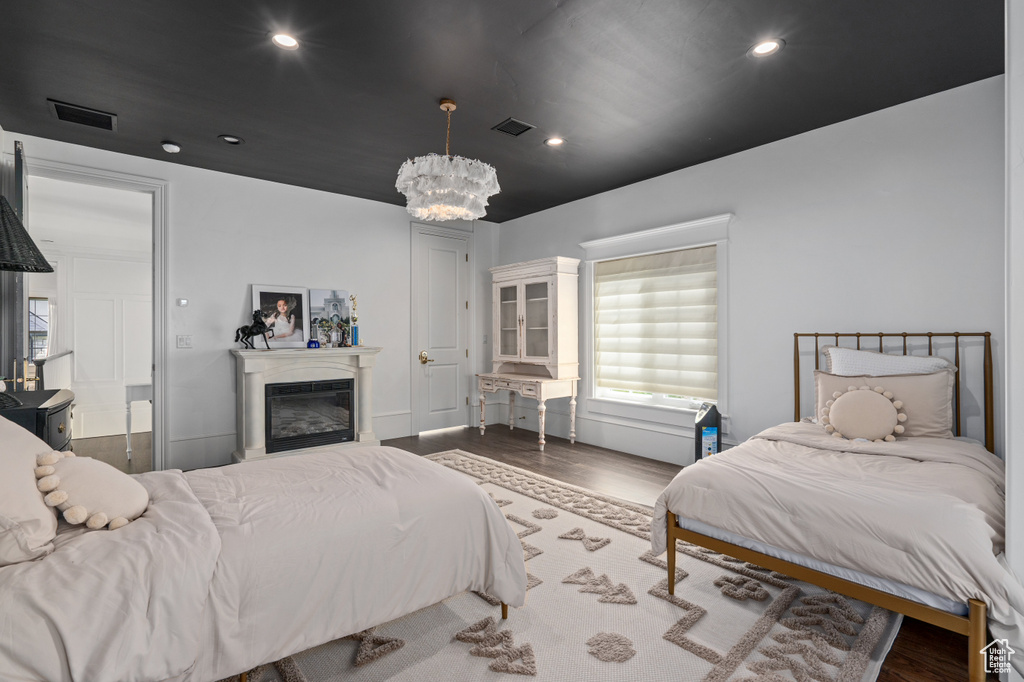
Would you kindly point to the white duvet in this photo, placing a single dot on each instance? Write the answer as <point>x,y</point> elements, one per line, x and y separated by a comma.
<point>245,564</point>
<point>927,512</point>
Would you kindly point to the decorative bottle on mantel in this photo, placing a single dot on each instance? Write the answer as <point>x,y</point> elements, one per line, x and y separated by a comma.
<point>355,320</point>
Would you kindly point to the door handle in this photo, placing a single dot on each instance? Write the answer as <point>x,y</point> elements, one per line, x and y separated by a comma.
<point>424,359</point>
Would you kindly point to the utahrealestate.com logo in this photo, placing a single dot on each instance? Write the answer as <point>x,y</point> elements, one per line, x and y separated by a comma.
<point>997,656</point>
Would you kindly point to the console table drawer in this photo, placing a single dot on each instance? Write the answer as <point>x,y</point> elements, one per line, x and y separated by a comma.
<point>58,427</point>
<point>46,413</point>
<point>533,386</point>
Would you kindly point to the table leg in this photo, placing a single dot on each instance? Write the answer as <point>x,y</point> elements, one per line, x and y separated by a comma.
<point>483,410</point>
<point>541,410</point>
<point>511,410</point>
<point>572,419</point>
<point>128,430</point>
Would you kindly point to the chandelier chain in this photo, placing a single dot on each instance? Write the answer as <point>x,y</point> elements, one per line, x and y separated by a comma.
<point>448,135</point>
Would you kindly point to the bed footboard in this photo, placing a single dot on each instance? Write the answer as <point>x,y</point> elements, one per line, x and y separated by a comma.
<point>974,625</point>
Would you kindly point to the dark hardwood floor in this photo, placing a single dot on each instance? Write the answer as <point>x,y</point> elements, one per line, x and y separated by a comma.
<point>921,652</point>
<point>626,477</point>
<point>111,449</point>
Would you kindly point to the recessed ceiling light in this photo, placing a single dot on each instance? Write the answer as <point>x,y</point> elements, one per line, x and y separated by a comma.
<point>232,139</point>
<point>554,141</point>
<point>766,48</point>
<point>285,41</point>
<point>170,147</point>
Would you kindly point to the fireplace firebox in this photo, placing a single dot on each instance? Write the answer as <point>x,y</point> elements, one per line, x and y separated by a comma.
<point>305,414</point>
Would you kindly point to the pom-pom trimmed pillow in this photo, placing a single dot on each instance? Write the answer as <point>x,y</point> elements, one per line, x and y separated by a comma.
<point>927,398</point>
<point>89,491</point>
<point>864,412</point>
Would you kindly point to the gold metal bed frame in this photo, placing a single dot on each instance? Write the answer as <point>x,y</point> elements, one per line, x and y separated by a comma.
<point>974,625</point>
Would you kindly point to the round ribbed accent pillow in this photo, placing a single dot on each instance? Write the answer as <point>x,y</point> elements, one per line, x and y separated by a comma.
<point>863,412</point>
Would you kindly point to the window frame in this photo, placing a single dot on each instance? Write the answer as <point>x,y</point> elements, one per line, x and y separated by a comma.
<point>32,335</point>
<point>713,230</point>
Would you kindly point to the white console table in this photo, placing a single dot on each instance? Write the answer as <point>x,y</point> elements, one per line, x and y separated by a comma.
<point>132,393</point>
<point>530,386</point>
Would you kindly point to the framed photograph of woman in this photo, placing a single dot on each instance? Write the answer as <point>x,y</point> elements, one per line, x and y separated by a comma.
<point>286,311</point>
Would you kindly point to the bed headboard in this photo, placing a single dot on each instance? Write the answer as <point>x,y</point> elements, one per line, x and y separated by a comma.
<point>954,343</point>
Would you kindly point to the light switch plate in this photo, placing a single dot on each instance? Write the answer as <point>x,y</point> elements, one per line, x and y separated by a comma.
<point>184,340</point>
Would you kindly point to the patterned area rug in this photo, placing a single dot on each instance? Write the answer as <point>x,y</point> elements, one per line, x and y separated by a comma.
<point>598,608</point>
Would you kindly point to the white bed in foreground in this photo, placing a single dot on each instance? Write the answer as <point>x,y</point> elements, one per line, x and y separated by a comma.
<point>245,564</point>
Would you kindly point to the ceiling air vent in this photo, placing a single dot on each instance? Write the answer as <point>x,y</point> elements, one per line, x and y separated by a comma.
<point>72,113</point>
<point>511,126</point>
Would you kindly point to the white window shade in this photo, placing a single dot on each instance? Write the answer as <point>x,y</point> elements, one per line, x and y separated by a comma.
<point>656,323</point>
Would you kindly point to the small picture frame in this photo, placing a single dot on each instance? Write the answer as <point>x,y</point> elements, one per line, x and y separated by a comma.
<point>286,311</point>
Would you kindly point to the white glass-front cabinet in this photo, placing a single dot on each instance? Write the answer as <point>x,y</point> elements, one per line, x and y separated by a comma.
<point>536,317</point>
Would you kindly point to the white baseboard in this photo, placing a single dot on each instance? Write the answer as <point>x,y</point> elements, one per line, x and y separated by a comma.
<point>197,453</point>
<point>392,424</point>
<point>605,432</point>
<point>211,451</point>
<point>194,453</point>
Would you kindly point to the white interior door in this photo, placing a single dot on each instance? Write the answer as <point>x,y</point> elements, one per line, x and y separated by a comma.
<point>440,304</point>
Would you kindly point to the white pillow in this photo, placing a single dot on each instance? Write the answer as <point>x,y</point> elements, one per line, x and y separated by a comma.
<point>850,362</point>
<point>27,525</point>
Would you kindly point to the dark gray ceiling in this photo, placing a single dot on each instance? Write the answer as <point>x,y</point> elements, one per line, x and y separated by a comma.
<point>639,88</point>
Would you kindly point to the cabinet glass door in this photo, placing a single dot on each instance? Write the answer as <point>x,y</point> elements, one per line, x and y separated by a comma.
<point>508,321</point>
<point>536,324</point>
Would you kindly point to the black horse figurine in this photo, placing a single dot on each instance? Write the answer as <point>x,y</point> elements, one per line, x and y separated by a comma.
<point>246,333</point>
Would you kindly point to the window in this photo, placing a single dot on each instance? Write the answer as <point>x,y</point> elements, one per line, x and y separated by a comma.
<point>656,327</point>
<point>38,327</point>
<point>655,324</point>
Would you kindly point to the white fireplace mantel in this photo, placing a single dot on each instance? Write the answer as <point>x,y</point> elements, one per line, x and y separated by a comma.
<point>254,369</point>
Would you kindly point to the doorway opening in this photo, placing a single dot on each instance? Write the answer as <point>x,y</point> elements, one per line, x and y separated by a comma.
<point>90,323</point>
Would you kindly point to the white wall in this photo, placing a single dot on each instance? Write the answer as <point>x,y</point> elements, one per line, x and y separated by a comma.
<point>226,232</point>
<point>888,222</point>
<point>1015,291</point>
<point>891,221</point>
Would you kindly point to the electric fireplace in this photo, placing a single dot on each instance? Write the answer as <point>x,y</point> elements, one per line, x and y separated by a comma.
<point>305,414</point>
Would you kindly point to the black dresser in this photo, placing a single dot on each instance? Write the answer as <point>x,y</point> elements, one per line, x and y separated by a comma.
<point>46,414</point>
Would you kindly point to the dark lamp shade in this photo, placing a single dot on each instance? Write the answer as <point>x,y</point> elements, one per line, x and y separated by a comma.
<point>17,250</point>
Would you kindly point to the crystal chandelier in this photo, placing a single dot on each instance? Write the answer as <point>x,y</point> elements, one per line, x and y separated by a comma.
<point>446,187</point>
